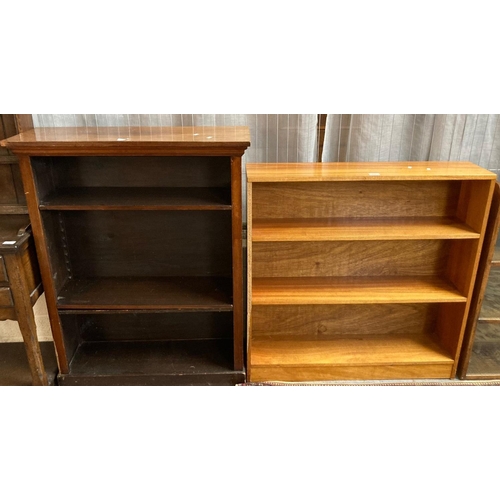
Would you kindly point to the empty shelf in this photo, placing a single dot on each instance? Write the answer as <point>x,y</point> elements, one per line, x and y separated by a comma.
<point>353,290</point>
<point>145,198</point>
<point>338,229</point>
<point>349,357</point>
<point>197,293</point>
<point>182,362</point>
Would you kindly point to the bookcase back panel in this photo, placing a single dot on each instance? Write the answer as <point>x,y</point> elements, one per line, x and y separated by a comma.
<point>55,237</point>
<point>460,270</point>
<point>138,243</point>
<point>150,326</point>
<point>328,321</point>
<point>450,326</point>
<point>355,199</point>
<point>349,258</point>
<point>135,171</point>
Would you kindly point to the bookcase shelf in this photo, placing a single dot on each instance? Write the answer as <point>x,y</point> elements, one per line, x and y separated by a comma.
<point>144,198</point>
<point>353,290</point>
<point>161,362</point>
<point>340,229</point>
<point>139,238</point>
<point>354,354</point>
<point>361,271</point>
<point>131,293</point>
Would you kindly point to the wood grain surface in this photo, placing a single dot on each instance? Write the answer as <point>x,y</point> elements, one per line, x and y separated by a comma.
<point>349,258</point>
<point>355,199</point>
<point>357,171</point>
<point>353,290</point>
<point>338,229</point>
<point>130,140</point>
<point>327,321</point>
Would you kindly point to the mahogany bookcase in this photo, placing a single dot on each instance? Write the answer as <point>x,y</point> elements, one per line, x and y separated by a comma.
<point>139,238</point>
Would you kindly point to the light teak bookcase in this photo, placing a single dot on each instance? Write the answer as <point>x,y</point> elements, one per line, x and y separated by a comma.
<point>361,270</point>
<point>139,236</point>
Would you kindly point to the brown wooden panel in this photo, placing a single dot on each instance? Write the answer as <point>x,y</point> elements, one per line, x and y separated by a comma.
<point>138,243</point>
<point>338,229</point>
<point>56,247</point>
<point>24,122</point>
<point>72,338</point>
<point>175,325</point>
<point>475,196</point>
<point>8,195</point>
<point>362,171</point>
<point>461,268</point>
<point>355,199</point>
<point>147,293</point>
<point>350,258</point>
<point>326,321</point>
<point>3,271</point>
<point>237,262</point>
<point>192,357</point>
<point>350,350</point>
<point>43,174</point>
<point>327,373</point>
<point>353,290</point>
<point>141,171</point>
<point>30,267</point>
<point>451,325</point>
<point>7,127</point>
<point>5,297</point>
<point>18,184</point>
<point>185,141</point>
<point>145,198</point>
<point>7,313</point>
<point>46,247</point>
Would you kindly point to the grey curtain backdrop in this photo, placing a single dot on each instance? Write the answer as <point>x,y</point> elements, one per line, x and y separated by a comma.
<point>474,138</point>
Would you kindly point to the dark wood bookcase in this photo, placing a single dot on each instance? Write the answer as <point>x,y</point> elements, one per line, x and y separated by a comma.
<point>138,232</point>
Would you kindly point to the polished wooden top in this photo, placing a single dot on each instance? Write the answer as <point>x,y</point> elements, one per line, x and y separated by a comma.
<point>350,171</point>
<point>123,140</point>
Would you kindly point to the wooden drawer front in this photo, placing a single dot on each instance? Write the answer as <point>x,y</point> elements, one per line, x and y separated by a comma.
<point>3,271</point>
<point>5,297</point>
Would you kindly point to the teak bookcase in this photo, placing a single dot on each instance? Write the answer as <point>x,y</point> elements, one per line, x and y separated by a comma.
<point>138,233</point>
<point>361,270</point>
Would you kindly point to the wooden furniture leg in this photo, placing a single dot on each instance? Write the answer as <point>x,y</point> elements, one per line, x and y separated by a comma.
<point>25,317</point>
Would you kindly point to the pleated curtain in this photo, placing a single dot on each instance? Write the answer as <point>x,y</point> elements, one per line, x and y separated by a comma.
<point>404,137</point>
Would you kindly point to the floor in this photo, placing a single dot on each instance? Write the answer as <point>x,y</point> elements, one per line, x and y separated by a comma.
<point>9,330</point>
<point>14,369</point>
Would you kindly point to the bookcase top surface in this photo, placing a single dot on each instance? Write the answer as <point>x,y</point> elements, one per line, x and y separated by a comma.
<point>350,171</point>
<point>123,140</point>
